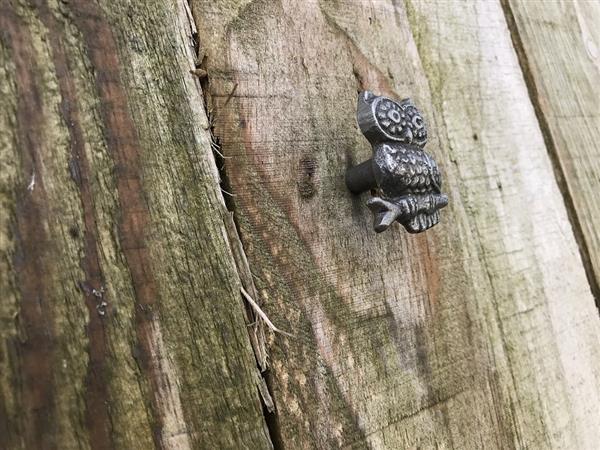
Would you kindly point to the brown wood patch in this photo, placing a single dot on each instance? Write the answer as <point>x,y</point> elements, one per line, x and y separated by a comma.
<point>97,406</point>
<point>37,336</point>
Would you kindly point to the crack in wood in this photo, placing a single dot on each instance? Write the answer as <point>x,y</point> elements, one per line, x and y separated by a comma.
<point>248,289</point>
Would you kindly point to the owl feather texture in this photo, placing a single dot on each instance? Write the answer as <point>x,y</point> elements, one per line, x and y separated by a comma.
<point>408,178</point>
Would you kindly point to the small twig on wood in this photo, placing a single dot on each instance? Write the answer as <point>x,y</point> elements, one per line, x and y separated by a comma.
<point>228,193</point>
<point>262,314</point>
<point>217,148</point>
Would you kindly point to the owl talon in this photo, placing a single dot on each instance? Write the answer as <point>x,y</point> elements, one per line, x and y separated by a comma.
<point>408,205</point>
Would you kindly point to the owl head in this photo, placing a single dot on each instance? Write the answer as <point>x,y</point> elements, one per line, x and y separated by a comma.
<point>382,119</point>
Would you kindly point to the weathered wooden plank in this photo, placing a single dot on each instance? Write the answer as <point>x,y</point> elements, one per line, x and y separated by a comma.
<point>121,319</point>
<point>548,326</point>
<point>559,48</point>
<point>479,333</point>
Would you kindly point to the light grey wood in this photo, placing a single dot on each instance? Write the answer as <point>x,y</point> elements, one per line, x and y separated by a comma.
<point>559,45</point>
<point>548,327</point>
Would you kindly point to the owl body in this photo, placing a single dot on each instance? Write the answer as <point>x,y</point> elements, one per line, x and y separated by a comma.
<point>408,178</point>
<point>412,170</point>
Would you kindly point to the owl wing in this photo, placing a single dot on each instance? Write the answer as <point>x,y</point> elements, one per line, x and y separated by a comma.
<point>409,170</point>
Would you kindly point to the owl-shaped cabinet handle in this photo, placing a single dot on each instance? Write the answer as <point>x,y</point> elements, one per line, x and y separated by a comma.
<point>407,180</point>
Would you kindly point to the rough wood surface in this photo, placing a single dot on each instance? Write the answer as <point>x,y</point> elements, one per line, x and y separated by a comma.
<point>559,47</point>
<point>121,319</point>
<point>481,333</point>
<point>547,325</point>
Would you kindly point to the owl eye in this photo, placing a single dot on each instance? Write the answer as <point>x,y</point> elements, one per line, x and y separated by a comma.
<point>394,115</point>
<point>417,121</point>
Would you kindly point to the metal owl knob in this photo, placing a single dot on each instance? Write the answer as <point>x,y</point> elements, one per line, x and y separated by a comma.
<point>407,179</point>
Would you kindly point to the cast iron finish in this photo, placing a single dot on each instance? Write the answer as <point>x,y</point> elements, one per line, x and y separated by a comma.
<point>406,179</point>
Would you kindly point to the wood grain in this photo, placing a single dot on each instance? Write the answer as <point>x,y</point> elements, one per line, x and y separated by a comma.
<point>121,319</point>
<point>559,48</point>
<point>480,99</point>
<point>479,333</point>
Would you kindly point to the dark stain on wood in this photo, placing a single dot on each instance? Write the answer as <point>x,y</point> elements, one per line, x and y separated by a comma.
<point>123,143</point>
<point>33,247</point>
<point>74,231</point>
<point>97,412</point>
<point>307,169</point>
